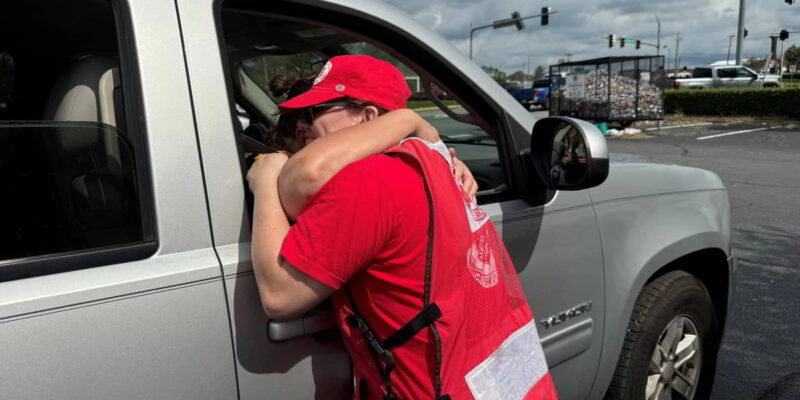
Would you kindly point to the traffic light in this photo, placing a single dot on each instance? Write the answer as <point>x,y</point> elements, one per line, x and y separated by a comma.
<point>745,33</point>
<point>789,2</point>
<point>610,41</point>
<point>638,44</point>
<point>545,15</point>
<point>622,42</point>
<point>783,35</point>
<point>518,20</point>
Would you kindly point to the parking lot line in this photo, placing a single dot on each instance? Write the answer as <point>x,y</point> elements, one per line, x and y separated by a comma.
<point>732,133</point>
<point>677,126</point>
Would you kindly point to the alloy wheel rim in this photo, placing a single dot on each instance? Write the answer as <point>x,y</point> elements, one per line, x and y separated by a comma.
<point>674,369</point>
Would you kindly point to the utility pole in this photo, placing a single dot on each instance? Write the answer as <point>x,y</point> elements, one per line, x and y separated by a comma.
<point>728,59</point>
<point>740,33</point>
<point>658,37</point>
<point>568,55</point>
<point>529,68</point>
<point>677,45</point>
<point>669,55</point>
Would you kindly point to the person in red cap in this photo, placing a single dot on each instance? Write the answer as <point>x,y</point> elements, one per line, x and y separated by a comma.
<point>424,293</point>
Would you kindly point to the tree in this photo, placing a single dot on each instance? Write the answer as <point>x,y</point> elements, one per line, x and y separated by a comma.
<point>791,56</point>
<point>518,76</point>
<point>495,73</point>
<point>755,64</point>
<point>539,72</point>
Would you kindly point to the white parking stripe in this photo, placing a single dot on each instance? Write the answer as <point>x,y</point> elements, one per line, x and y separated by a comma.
<point>677,126</point>
<point>731,133</point>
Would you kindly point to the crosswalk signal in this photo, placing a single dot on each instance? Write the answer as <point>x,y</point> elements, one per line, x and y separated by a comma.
<point>783,35</point>
<point>622,42</point>
<point>545,15</point>
<point>610,41</point>
<point>638,44</point>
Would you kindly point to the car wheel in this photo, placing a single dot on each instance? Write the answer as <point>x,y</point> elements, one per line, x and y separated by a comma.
<point>671,344</point>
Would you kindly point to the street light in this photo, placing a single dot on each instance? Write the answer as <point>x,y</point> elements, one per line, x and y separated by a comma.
<point>516,20</point>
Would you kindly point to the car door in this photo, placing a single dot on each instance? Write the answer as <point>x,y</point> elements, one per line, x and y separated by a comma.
<point>109,284</point>
<point>563,280</point>
<point>286,363</point>
<point>746,78</point>
<point>726,77</point>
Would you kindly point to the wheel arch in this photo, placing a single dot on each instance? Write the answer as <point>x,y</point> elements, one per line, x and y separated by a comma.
<point>701,255</point>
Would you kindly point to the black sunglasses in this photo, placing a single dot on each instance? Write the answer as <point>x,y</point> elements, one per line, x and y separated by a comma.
<point>309,113</point>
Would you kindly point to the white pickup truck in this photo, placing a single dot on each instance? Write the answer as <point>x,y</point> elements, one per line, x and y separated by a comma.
<point>725,77</point>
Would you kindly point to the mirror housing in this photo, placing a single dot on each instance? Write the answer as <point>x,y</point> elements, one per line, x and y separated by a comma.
<point>568,153</point>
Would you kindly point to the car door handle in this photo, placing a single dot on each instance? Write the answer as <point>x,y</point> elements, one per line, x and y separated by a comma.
<point>310,323</point>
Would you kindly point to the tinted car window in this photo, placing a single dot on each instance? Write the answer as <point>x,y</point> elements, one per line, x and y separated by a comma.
<point>726,73</point>
<point>541,83</point>
<point>6,81</point>
<point>68,186</point>
<point>701,73</point>
<point>744,73</point>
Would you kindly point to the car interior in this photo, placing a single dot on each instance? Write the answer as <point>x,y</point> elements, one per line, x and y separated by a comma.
<point>61,101</point>
<point>261,47</point>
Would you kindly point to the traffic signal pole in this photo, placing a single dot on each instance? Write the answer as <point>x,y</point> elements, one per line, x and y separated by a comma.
<point>740,33</point>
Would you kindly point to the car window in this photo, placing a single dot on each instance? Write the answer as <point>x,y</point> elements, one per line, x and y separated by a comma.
<point>6,82</point>
<point>68,159</point>
<point>701,73</point>
<point>280,57</point>
<point>726,73</point>
<point>744,73</point>
<point>541,83</point>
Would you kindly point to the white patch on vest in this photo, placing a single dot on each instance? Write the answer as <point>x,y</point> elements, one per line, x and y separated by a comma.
<point>323,73</point>
<point>437,146</point>
<point>512,370</point>
<point>481,263</point>
<point>476,216</point>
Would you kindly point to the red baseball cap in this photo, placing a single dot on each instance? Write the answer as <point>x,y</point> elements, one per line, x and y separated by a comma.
<point>360,77</point>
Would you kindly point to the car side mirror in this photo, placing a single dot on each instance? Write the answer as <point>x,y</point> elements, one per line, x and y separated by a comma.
<point>568,153</point>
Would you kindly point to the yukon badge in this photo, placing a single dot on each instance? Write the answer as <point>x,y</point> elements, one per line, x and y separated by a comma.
<point>573,312</point>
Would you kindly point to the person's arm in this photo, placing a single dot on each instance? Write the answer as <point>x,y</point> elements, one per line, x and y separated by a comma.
<point>284,291</point>
<point>309,169</point>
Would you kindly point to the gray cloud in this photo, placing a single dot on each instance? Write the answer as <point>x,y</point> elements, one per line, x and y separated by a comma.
<point>581,28</point>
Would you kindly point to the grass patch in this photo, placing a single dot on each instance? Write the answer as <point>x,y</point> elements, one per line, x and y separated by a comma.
<point>417,104</point>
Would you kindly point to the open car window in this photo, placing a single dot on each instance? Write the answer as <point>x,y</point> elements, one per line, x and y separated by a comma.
<point>297,49</point>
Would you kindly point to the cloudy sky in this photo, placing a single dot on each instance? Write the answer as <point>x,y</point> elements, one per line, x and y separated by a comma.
<point>581,28</point>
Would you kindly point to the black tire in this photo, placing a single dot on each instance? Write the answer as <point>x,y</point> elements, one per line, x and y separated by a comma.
<point>674,296</point>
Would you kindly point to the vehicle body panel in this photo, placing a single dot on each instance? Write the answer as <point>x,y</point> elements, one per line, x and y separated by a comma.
<point>153,328</point>
<point>690,215</point>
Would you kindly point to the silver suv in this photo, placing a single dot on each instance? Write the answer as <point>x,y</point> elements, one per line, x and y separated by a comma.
<point>125,266</point>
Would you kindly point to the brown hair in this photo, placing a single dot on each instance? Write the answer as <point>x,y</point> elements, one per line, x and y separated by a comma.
<point>281,136</point>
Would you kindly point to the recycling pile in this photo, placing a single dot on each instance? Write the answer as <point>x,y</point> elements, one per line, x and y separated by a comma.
<point>596,105</point>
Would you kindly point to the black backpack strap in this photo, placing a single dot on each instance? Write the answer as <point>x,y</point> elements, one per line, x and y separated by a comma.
<point>382,357</point>
<point>426,317</point>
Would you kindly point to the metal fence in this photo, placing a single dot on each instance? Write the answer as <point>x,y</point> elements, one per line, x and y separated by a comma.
<point>619,89</point>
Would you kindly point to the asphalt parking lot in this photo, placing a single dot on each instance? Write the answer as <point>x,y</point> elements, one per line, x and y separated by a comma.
<point>760,166</point>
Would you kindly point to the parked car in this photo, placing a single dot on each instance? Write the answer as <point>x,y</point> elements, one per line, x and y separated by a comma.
<point>125,266</point>
<point>522,94</point>
<point>729,76</point>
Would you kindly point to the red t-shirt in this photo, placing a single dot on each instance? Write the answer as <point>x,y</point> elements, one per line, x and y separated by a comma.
<point>368,226</point>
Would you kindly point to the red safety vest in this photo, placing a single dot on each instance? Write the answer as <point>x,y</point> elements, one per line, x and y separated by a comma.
<point>487,346</point>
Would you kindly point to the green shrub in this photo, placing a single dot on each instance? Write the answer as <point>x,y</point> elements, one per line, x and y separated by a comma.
<point>784,102</point>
